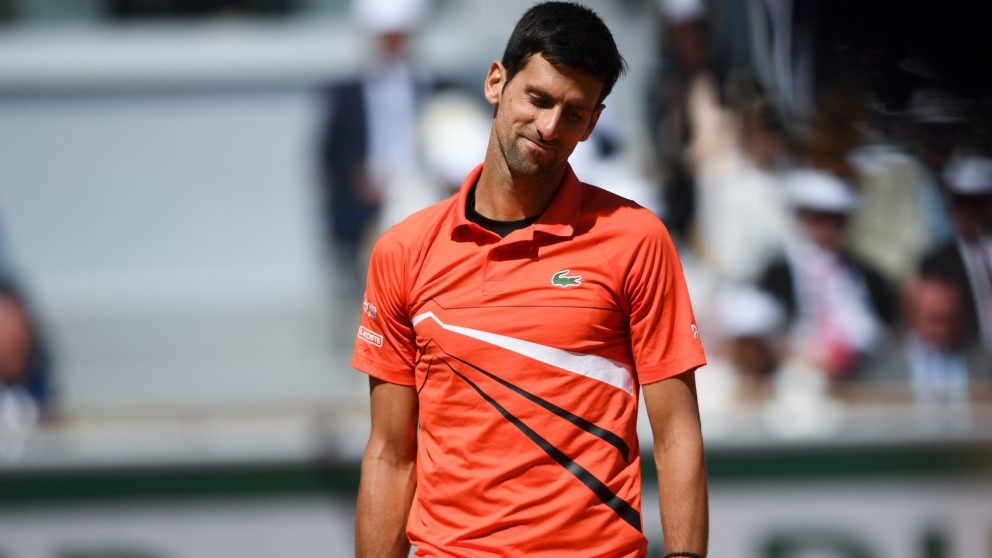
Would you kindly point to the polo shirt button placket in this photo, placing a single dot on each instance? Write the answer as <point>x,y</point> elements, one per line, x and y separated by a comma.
<point>492,279</point>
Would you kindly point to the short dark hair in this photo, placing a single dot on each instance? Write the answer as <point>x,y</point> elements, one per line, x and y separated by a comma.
<point>566,34</point>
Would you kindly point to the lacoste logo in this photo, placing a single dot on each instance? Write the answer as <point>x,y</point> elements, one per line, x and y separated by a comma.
<point>369,336</point>
<point>563,279</point>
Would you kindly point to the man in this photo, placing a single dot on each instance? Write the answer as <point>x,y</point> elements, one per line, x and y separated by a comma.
<point>836,305</point>
<point>508,329</point>
<point>931,360</point>
<point>370,134</point>
<point>967,259</point>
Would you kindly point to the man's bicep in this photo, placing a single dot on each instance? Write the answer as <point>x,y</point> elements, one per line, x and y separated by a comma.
<point>672,408</point>
<point>394,419</point>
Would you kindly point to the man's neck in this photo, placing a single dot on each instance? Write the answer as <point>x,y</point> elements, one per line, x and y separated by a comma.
<point>500,196</point>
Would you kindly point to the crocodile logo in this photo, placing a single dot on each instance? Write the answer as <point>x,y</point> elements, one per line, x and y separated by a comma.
<point>563,279</point>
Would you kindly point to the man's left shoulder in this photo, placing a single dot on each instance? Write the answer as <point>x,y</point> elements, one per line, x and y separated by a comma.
<point>604,208</point>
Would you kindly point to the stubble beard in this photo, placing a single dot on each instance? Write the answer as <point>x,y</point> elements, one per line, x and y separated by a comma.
<point>524,166</point>
<point>520,164</point>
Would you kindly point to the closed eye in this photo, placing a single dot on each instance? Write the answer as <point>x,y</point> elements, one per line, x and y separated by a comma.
<point>540,101</point>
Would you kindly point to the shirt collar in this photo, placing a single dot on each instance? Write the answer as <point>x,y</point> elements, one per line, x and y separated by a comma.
<point>558,219</point>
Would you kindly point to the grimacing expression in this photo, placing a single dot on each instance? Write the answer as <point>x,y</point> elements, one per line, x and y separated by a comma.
<point>542,113</point>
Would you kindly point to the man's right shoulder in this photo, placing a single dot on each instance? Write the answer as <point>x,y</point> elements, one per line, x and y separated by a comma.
<point>419,227</point>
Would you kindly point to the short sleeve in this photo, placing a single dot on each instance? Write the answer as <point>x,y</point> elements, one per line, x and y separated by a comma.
<point>385,346</point>
<point>663,334</point>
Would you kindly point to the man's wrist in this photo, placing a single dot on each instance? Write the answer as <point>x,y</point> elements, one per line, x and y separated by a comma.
<point>683,555</point>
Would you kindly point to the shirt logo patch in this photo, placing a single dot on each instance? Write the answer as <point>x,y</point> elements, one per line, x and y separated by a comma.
<point>370,310</point>
<point>563,279</point>
<point>695,331</point>
<point>369,336</point>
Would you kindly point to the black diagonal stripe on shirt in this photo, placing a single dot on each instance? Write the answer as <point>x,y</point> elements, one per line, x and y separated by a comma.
<point>623,509</point>
<point>598,431</point>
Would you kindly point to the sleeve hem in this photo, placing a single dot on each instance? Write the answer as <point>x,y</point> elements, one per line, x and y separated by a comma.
<point>388,373</point>
<point>670,367</point>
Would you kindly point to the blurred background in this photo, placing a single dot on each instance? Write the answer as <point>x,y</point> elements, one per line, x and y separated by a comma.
<point>189,189</point>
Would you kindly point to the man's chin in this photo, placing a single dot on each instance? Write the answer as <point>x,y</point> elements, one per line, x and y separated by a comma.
<point>534,171</point>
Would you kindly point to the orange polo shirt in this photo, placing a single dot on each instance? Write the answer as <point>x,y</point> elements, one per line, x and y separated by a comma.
<point>527,353</point>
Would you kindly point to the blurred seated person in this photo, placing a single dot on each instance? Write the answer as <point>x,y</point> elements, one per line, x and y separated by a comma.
<point>23,362</point>
<point>836,306</point>
<point>903,213</point>
<point>931,361</point>
<point>743,328</point>
<point>739,159</point>
<point>24,394</point>
<point>937,120</point>
<point>967,260</point>
<point>744,338</point>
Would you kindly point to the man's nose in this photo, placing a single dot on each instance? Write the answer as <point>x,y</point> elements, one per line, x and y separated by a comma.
<point>549,122</point>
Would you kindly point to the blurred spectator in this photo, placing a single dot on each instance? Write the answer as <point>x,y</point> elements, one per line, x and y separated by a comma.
<point>937,121</point>
<point>743,334</point>
<point>371,134</point>
<point>967,260</point>
<point>931,356</point>
<point>738,157</point>
<point>445,115</point>
<point>24,370</point>
<point>683,59</point>
<point>749,324</point>
<point>23,360</point>
<point>836,305</point>
<point>901,215</point>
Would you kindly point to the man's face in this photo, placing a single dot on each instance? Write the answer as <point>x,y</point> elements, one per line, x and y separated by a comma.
<point>973,215</point>
<point>15,340</point>
<point>541,114</point>
<point>826,230</point>
<point>935,312</point>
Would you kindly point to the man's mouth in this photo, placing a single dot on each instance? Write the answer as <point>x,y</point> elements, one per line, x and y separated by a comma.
<point>540,146</point>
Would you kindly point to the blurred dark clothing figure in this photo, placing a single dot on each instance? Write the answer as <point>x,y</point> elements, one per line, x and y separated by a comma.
<point>967,260</point>
<point>24,363</point>
<point>937,122</point>
<point>353,194</point>
<point>683,57</point>
<point>370,134</point>
<point>25,394</point>
<point>837,306</point>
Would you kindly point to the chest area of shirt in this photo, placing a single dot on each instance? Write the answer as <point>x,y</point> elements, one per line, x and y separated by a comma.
<point>565,296</point>
<point>566,274</point>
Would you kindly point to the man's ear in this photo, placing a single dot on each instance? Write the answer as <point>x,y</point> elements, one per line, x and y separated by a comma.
<point>495,81</point>
<point>593,119</point>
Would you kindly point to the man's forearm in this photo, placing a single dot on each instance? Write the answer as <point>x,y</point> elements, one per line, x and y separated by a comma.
<point>384,498</point>
<point>683,497</point>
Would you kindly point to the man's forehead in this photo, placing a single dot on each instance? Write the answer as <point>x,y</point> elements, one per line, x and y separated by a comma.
<point>545,75</point>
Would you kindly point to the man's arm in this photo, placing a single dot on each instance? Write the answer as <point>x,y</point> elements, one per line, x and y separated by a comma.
<point>388,473</point>
<point>678,453</point>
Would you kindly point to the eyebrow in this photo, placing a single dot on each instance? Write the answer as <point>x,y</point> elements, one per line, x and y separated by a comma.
<point>537,91</point>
